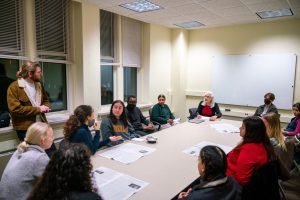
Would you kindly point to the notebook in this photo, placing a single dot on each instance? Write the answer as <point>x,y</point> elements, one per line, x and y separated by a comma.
<point>196,120</point>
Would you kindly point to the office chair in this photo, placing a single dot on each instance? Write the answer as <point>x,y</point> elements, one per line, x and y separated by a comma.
<point>263,183</point>
<point>154,122</point>
<point>193,113</point>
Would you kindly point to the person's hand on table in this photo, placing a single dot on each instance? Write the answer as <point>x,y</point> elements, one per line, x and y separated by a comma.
<point>184,194</point>
<point>213,118</point>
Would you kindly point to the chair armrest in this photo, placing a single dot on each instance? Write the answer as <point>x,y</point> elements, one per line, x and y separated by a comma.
<point>156,123</point>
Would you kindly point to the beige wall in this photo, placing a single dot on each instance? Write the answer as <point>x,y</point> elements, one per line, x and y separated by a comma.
<point>178,72</point>
<point>160,59</point>
<point>269,37</point>
<point>179,63</point>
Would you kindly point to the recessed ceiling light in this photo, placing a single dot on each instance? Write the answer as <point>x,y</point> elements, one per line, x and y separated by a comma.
<point>192,24</point>
<point>141,6</point>
<point>275,13</point>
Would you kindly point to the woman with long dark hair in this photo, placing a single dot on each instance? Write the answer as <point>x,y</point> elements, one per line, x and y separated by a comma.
<point>116,124</point>
<point>214,184</point>
<point>67,176</point>
<point>76,129</point>
<point>293,127</point>
<point>252,153</point>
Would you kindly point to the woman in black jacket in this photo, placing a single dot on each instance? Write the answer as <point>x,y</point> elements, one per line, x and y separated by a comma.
<point>214,184</point>
<point>208,107</point>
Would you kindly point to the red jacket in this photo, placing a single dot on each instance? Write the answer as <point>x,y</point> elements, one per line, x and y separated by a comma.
<point>244,160</point>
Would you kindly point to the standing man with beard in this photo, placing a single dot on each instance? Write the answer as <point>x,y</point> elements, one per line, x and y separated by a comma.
<point>268,107</point>
<point>141,125</point>
<point>27,99</point>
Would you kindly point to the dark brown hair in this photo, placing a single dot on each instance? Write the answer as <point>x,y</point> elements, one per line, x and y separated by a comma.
<point>161,95</point>
<point>214,160</point>
<point>76,120</point>
<point>123,116</point>
<point>256,133</point>
<point>69,170</point>
<point>271,95</point>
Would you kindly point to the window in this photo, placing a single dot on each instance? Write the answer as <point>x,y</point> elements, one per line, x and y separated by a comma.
<point>130,82</point>
<point>106,35</point>
<point>107,50</point>
<point>131,54</point>
<point>51,26</point>
<point>8,70</point>
<point>54,79</point>
<point>130,39</point>
<point>107,84</point>
<point>11,29</point>
<point>51,19</point>
<point>131,42</point>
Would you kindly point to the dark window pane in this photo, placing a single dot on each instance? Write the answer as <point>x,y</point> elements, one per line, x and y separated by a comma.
<point>107,34</point>
<point>54,76</point>
<point>8,70</point>
<point>107,85</point>
<point>130,82</point>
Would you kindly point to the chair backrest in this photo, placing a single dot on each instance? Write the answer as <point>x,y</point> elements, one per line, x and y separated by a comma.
<point>193,113</point>
<point>150,113</point>
<point>263,183</point>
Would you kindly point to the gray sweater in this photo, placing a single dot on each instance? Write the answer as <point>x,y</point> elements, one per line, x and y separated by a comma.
<point>22,172</point>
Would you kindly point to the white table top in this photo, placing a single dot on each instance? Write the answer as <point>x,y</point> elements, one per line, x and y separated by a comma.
<point>168,169</point>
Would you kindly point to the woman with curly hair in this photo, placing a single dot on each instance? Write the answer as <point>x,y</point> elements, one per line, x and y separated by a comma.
<point>27,163</point>
<point>67,176</point>
<point>76,129</point>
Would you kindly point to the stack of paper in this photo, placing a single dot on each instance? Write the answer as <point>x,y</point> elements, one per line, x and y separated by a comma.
<point>195,150</point>
<point>127,153</point>
<point>196,120</point>
<point>113,185</point>
<point>225,128</point>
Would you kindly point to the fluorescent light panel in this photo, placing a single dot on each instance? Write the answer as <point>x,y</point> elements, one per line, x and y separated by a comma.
<point>192,24</point>
<point>141,6</point>
<point>275,13</point>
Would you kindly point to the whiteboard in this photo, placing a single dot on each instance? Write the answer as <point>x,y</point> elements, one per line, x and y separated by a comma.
<point>245,79</point>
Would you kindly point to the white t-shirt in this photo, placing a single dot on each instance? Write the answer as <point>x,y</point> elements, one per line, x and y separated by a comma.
<point>31,89</point>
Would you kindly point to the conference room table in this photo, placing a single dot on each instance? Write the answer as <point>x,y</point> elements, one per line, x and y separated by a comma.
<point>168,170</point>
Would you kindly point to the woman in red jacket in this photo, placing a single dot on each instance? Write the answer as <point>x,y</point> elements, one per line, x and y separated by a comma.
<point>252,153</point>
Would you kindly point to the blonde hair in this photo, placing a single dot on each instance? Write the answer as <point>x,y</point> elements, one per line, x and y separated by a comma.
<point>34,134</point>
<point>26,68</point>
<point>274,129</point>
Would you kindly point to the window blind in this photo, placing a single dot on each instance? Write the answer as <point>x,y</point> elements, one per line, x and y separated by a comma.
<point>131,42</point>
<point>12,29</point>
<point>52,26</point>
<point>106,35</point>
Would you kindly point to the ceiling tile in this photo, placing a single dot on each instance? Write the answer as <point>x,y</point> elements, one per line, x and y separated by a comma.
<point>212,13</point>
<point>295,3</point>
<point>219,4</point>
<point>240,10</point>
